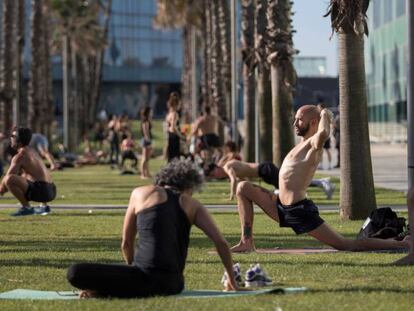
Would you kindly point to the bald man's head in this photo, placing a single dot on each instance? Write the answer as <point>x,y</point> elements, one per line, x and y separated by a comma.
<point>306,117</point>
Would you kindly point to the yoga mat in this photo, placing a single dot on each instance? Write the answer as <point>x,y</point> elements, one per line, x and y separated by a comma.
<point>295,251</point>
<point>304,251</point>
<point>202,293</point>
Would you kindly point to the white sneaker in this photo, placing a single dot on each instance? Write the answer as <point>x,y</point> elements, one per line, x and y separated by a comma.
<point>328,187</point>
<point>237,276</point>
<point>256,277</point>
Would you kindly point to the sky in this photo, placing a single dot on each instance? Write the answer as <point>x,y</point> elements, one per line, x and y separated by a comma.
<point>314,31</point>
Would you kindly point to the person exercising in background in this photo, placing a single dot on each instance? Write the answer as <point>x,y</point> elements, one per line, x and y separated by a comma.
<point>27,178</point>
<point>40,143</point>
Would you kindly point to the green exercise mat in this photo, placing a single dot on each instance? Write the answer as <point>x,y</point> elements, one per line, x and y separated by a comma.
<point>202,293</point>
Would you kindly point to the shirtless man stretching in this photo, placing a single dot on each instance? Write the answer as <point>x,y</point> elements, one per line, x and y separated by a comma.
<point>291,208</point>
<point>205,127</point>
<point>27,178</point>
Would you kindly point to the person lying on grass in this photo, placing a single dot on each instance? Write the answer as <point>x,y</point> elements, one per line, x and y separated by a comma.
<point>162,214</point>
<point>290,207</point>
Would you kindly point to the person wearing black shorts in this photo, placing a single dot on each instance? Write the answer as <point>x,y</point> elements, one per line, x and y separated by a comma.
<point>291,208</point>
<point>27,177</point>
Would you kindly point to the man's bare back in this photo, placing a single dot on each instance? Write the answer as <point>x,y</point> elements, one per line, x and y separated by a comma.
<point>207,125</point>
<point>31,165</point>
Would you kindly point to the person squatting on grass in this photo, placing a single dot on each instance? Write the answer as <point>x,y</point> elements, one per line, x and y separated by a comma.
<point>162,214</point>
<point>290,207</point>
<point>27,178</point>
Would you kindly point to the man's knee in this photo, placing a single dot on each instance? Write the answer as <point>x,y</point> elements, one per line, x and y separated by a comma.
<point>11,180</point>
<point>242,187</point>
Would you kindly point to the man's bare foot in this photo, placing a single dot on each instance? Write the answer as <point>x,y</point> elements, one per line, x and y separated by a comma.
<point>405,261</point>
<point>88,294</point>
<point>144,177</point>
<point>243,247</point>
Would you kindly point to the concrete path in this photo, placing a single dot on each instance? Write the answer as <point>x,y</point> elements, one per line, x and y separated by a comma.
<point>389,165</point>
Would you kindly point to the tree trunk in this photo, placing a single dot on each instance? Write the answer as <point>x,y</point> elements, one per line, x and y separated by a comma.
<point>216,59</point>
<point>206,83</point>
<point>247,41</point>
<point>186,75</point>
<point>224,27</point>
<point>18,104</point>
<point>48,103</point>
<point>357,186</point>
<point>264,86</point>
<point>97,73</point>
<point>7,53</point>
<point>34,112</point>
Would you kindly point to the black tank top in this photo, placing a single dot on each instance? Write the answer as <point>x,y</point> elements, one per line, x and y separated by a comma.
<point>164,233</point>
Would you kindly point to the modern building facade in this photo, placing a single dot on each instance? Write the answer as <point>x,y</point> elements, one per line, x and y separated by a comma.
<point>386,63</point>
<point>142,64</point>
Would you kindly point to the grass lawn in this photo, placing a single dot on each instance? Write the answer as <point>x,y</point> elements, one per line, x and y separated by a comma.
<point>101,185</point>
<point>35,252</point>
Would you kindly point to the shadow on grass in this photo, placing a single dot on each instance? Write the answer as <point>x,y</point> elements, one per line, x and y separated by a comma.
<point>52,263</point>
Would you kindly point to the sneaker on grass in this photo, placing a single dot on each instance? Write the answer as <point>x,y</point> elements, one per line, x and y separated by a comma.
<point>237,276</point>
<point>256,277</point>
<point>43,210</point>
<point>23,211</point>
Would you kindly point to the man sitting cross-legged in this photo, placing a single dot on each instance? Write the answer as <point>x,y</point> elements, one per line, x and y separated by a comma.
<point>27,177</point>
<point>290,207</point>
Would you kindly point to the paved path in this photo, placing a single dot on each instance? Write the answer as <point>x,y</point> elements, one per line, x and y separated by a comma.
<point>389,165</point>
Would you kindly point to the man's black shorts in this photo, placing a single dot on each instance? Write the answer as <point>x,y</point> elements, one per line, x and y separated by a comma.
<point>40,191</point>
<point>269,173</point>
<point>327,144</point>
<point>302,216</point>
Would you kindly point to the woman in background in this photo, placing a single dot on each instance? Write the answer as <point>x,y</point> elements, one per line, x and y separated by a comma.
<point>173,127</point>
<point>146,141</point>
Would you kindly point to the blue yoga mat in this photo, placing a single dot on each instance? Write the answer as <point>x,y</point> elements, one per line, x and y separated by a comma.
<point>203,293</point>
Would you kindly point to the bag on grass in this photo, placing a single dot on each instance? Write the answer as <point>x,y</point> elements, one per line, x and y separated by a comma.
<point>383,223</point>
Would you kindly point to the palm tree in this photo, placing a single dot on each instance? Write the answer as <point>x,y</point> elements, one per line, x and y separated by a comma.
<point>7,53</point>
<point>348,19</point>
<point>264,86</point>
<point>280,56</point>
<point>17,118</point>
<point>35,76</point>
<point>247,41</point>
<point>187,14</point>
<point>78,24</point>
<point>225,64</point>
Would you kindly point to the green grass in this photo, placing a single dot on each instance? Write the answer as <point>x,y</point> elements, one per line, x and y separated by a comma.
<point>36,251</point>
<point>101,185</point>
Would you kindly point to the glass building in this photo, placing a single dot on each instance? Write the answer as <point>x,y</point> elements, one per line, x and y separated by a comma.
<point>310,66</point>
<point>386,63</point>
<point>142,64</point>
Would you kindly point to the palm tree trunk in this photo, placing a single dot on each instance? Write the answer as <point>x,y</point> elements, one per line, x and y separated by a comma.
<point>357,186</point>
<point>7,53</point>
<point>186,75</point>
<point>17,113</point>
<point>206,83</point>
<point>264,87</point>
<point>247,41</point>
<point>34,112</point>
<point>280,56</point>
<point>98,72</point>
<point>224,27</point>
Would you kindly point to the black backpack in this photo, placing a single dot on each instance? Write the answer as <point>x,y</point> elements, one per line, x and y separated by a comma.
<point>383,223</point>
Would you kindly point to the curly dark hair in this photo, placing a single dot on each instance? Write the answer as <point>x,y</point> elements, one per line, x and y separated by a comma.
<point>180,174</point>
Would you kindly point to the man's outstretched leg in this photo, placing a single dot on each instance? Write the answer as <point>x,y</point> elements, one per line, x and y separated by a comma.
<point>247,194</point>
<point>327,235</point>
<point>409,259</point>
